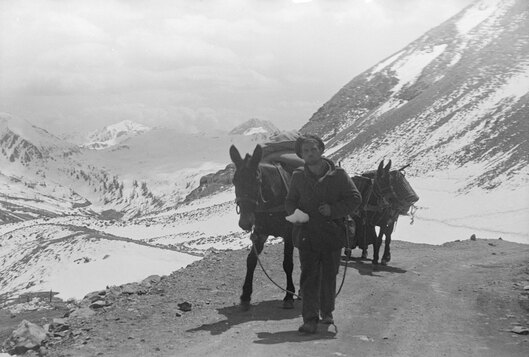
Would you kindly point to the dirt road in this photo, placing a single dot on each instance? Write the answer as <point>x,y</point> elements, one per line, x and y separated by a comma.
<point>459,299</point>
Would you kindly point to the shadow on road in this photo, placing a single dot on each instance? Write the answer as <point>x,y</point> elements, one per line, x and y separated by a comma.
<point>325,332</point>
<point>263,311</point>
<point>365,267</point>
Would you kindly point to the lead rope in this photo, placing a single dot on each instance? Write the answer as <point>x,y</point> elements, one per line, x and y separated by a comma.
<point>347,254</point>
<point>268,276</point>
<point>412,213</point>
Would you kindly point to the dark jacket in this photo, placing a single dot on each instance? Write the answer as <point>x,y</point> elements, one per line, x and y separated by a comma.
<point>307,192</point>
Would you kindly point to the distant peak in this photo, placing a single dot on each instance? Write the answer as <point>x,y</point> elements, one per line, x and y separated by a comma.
<point>255,126</point>
<point>114,134</point>
<point>127,125</point>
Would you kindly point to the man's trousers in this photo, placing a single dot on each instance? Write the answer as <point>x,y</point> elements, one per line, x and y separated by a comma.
<point>318,282</point>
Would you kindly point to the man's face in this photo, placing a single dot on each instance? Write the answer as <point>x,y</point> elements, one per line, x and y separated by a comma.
<point>311,153</point>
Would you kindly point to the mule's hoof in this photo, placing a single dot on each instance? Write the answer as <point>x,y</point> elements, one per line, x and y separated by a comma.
<point>384,262</point>
<point>375,262</point>
<point>245,305</point>
<point>288,304</point>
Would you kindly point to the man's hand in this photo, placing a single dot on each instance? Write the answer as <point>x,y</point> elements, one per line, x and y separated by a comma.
<point>325,210</point>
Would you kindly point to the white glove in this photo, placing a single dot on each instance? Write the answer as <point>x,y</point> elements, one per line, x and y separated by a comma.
<point>298,217</point>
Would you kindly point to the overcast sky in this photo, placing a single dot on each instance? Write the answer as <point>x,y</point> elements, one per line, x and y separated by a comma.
<point>70,65</point>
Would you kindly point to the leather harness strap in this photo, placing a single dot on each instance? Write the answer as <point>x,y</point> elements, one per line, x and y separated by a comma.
<point>284,180</point>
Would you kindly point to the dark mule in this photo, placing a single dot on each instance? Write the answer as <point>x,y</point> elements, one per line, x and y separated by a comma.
<point>377,210</point>
<point>260,192</point>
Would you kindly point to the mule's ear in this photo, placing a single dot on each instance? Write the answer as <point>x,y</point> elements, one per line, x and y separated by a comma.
<point>257,156</point>
<point>388,166</point>
<point>380,168</point>
<point>235,156</point>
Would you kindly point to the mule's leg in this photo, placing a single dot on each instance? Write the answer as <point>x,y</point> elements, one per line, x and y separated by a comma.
<point>251,261</point>
<point>361,232</point>
<point>376,245</point>
<point>386,258</point>
<point>288,267</point>
<point>364,253</point>
<point>364,243</point>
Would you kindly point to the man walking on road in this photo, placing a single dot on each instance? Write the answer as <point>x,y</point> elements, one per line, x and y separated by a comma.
<point>327,194</point>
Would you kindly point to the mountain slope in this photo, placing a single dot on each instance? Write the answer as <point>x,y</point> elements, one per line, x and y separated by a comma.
<point>457,96</point>
<point>23,142</point>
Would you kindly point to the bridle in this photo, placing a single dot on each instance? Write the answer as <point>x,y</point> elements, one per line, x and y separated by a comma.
<point>258,201</point>
<point>383,195</point>
<point>247,198</point>
<point>238,201</point>
<point>382,192</point>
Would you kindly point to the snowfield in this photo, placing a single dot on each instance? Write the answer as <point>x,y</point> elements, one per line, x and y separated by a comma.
<point>443,215</point>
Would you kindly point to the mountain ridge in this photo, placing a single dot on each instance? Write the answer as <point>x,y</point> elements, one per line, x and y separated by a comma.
<point>448,98</point>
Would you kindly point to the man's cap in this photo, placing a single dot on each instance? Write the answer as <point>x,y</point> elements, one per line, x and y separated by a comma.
<point>308,138</point>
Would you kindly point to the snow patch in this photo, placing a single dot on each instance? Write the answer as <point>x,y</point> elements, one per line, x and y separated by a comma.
<point>476,15</point>
<point>74,260</point>
<point>410,68</point>
<point>457,57</point>
<point>336,147</point>
<point>516,86</point>
<point>385,63</point>
<point>253,131</point>
<point>125,263</point>
<point>390,104</point>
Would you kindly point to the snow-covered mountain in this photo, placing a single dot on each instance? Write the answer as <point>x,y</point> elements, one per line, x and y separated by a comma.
<point>44,176</point>
<point>23,142</point>
<point>457,97</point>
<point>255,126</point>
<point>170,162</point>
<point>114,134</point>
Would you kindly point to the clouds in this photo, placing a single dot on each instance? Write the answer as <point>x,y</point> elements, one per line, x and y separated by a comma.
<point>224,61</point>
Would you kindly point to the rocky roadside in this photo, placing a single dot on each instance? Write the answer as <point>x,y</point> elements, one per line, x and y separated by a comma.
<point>470,296</point>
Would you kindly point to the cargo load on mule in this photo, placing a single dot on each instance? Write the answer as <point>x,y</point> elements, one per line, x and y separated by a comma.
<point>281,149</point>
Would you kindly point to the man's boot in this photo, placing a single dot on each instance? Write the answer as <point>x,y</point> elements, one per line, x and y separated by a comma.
<point>327,319</point>
<point>309,327</point>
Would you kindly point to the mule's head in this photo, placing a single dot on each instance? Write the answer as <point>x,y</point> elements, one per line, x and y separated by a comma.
<point>247,182</point>
<point>382,180</point>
